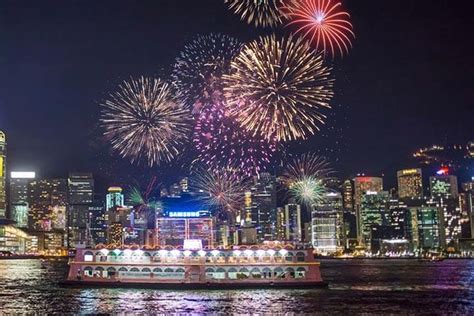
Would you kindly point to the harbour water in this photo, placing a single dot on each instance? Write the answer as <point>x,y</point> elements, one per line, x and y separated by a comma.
<point>356,287</point>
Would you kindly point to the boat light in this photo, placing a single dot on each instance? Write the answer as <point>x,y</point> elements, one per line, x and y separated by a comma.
<point>215,252</point>
<point>283,252</point>
<point>104,252</point>
<point>187,253</point>
<point>163,252</point>
<point>117,251</point>
<point>202,253</point>
<point>271,252</point>
<point>237,253</point>
<point>175,253</point>
<point>127,252</point>
<point>138,252</point>
<point>260,253</point>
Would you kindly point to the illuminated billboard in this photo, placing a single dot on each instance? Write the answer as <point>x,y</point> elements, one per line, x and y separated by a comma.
<point>22,174</point>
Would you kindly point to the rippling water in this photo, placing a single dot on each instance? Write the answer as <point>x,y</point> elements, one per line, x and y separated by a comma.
<point>356,287</point>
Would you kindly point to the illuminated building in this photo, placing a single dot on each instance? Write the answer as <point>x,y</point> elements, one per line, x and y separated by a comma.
<point>372,215</point>
<point>80,198</point>
<point>470,150</point>
<point>410,184</point>
<point>47,215</point>
<point>114,198</point>
<point>327,224</point>
<point>362,185</point>
<point>348,196</point>
<point>293,223</point>
<point>264,204</point>
<point>97,225</point>
<point>19,207</point>
<point>3,172</point>
<point>184,184</point>
<point>467,202</point>
<point>15,240</point>
<point>430,227</point>
<point>443,185</point>
<point>280,230</point>
<point>174,230</point>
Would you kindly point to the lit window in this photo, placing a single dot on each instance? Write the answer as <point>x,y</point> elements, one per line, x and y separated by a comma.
<point>88,258</point>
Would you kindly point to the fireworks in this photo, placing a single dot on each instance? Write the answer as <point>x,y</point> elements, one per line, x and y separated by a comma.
<point>145,120</point>
<point>305,177</point>
<point>258,12</point>
<point>223,188</point>
<point>277,88</point>
<point>323,22</point>
<point>220,140</point>
<point>202,63</point>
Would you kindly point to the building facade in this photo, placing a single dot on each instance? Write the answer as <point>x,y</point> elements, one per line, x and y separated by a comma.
<point>327,224</point>
<point>80,198</point>
<point>19,206</point>
<point>410,184</point>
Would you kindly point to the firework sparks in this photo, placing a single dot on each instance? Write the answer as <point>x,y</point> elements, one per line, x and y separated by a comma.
<point>323,22</point>
<point>264,13</point>
<point>277,88</point>
<point>145,120</point>
<point>201,65</point>
<point>306,176</point>
<point>220,140</point>
<point>223,188</point>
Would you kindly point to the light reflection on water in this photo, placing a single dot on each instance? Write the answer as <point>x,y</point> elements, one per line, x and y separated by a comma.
<point>356,286</point>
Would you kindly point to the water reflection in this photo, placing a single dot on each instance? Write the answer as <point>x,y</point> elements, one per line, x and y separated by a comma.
<point>357,286</point>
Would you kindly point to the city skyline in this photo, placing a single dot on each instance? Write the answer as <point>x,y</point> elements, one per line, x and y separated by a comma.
<point>414,118</point>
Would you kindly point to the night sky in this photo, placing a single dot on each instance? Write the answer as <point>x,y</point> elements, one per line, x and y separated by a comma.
<point>406,83</point>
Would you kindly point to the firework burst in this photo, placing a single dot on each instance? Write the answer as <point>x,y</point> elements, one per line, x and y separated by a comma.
<point>277,88</point>
<point>264,13</point>
<point>202,63</point>
<point>220,140</point>
<point>222,188</point>
<point>323,22</point>
<point>145,120</point>
<point>306,178</point>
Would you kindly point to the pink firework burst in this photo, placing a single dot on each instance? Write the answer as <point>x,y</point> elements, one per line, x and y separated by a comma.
<point>323,22</point>
<point>220,141</point>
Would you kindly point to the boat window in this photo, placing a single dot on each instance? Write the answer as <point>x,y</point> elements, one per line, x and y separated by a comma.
<point>300,256</point>
<point>146,270</point>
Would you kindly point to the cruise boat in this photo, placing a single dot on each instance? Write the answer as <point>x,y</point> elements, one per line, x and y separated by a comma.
<point>170,267</point>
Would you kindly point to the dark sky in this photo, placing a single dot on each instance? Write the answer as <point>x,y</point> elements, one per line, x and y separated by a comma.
<point>406,83</point>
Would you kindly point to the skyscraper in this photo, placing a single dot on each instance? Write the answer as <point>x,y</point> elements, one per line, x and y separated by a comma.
<point>372,215</point>
<point>410,184</point>
<point>366,184</point>
<point>80,198</point>
<point>293,223</point>
<point>348,196</point>
<point>47,214</point>
<point>327,224</point>
<point>264,204</point>
<point>19,207</point>
<point>3,172</point>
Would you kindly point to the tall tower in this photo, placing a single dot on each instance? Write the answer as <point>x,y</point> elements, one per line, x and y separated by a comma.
<point>3,173</point>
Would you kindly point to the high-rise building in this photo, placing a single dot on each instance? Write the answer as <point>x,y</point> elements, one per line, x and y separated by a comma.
<point>363,184</point>
<point>80,198</point>
<point>327,224</point>
<point>47,199</point>
<point>293,223</point>
<point>3,173</point>
<point>348,196</point>
<point>372,215</point>
<point>264,204</point>
<point>19,207</point>
<point>443,185</point>
<point>97,224</point>
<point>430,227</point>
<point>410,184</point>
<point>114,198</point>
<point>468,209</point>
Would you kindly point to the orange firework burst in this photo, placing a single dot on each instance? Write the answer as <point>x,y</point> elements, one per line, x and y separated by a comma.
<point>258,12</point>
<point>323,22</point>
